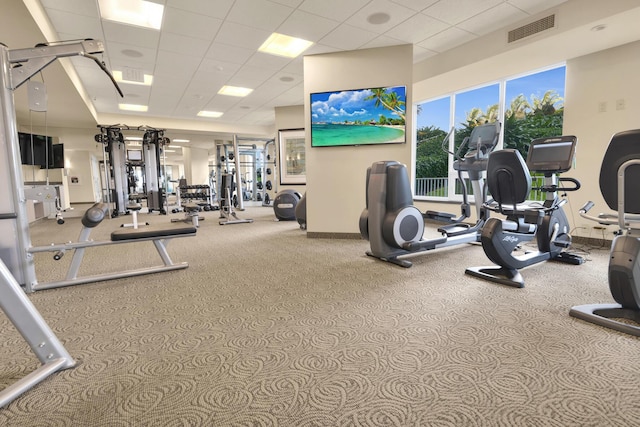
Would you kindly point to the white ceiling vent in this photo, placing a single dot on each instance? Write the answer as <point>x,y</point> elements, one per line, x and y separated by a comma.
<point>532,28</point>
<point>133,75</point>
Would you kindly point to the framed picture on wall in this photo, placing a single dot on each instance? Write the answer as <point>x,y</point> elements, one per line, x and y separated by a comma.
<point>292,164</point>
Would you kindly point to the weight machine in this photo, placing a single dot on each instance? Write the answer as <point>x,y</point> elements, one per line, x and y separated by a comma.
<point>120,168</point>
<point>17,66</point>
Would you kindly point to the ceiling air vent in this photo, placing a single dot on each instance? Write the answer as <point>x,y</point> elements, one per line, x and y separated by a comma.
<point>532,28</point>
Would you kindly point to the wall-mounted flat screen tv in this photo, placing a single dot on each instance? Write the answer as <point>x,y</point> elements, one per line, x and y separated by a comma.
<point>359,117</point>
<point>37,150</point>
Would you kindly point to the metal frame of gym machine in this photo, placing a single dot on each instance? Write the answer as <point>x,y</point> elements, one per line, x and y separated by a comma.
<point>16,263</point>
<point>115,166</point>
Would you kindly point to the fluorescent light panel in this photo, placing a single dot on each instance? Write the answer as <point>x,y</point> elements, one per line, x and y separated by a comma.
<point>234,91</point>
<point>133,107</point>
<point>282,45</point>
<point>118,75</point>
<point>214,114</point>
<point>133,12</point>
<point>181,140</point>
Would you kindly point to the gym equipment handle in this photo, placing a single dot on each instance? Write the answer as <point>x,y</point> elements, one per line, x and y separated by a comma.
<point>587,207</point>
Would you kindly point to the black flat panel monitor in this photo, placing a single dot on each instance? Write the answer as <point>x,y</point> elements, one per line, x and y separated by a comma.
<point>36,150</point>
<point>57,159</point>
<point>554,155</point>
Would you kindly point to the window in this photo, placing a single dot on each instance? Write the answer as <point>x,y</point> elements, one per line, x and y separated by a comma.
<point>532,107</point>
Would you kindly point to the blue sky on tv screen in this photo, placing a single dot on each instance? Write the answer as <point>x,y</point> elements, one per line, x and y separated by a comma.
<point>436,113</point>
<point>351,105</point>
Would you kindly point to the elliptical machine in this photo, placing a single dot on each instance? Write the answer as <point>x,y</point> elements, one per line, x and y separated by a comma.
<point>620,170</point>
<point>509,183</point>
<point>394,227</point>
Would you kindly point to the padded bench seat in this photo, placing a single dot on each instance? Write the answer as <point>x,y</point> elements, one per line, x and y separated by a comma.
<point>164,230</point>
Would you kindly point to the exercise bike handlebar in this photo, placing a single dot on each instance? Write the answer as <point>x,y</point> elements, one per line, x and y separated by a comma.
<point>556,187</point>
<point>608,218</point>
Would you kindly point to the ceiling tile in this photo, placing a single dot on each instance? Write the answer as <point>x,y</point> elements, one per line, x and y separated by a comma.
<point>383,41</point>
<point>417,28</point>
<point>263,15</point>
<point>337,10</point>
<point>397,15</point>
<point>72,23</point>
<point>121,53</point>
<point>241,36</point>
<point>307,26</point>
<point>481,24</point>
<point>264,60</point>
<point>290,3</point>
<point>417,5</point>
<point>190,24</point>
<point>128,34</point>
<point>447,39</point>
<point>348,38</point>
<point>80,7</point>
<point>249,73</point>
<point>455,11</point>
<point>535,6</point>
<point>218,9</point>
<point>228,53</point>
<point>176,64</point>
<point>213,67</point>
<point>183,44</point>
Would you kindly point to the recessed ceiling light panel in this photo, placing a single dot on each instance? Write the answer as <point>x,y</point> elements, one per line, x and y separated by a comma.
<point>282,45</point>
<point>214,114</point>
<point>132,12</point>
<point>234,91</point>
<point>133,107</point>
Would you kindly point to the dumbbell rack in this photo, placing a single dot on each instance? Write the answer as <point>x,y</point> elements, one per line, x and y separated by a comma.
<point>202,195</point>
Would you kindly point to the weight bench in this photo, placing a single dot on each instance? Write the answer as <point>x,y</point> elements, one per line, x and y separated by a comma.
<point>160,235</point>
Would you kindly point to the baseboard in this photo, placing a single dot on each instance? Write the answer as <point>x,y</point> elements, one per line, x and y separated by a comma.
<point>319,235</point>
<point>592,241</point>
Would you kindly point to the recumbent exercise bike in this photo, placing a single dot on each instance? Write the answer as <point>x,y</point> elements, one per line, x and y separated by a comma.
<point>509,182</point>
<point>395,227</point>
<point>619,175</point>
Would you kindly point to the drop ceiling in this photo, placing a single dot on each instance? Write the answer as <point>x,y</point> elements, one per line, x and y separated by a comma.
<point>205,44</point>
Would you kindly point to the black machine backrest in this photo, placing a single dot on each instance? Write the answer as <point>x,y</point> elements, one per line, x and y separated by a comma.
<point>508,177</point>
<point>484,137</point>
<point>624,146</point>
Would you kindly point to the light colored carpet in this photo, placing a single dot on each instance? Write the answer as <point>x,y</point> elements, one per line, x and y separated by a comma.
<point>269,328</point>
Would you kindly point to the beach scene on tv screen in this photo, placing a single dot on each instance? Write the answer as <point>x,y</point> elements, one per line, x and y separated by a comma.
<point>358,117</point>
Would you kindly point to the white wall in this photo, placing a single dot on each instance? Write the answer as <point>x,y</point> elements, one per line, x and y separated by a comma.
<point>199,166</point>
<point>336,175</point>
<point>608,77</point>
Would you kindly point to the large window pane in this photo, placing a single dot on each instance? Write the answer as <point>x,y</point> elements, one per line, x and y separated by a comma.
<point>472,108</point>
<point>432,169</point>
<point>535,108</point>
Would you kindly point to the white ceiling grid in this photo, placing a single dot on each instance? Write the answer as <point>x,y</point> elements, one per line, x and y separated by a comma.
<point>206,44</point>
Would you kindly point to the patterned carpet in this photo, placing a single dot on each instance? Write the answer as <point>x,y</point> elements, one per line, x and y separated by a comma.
<point>269,328</point>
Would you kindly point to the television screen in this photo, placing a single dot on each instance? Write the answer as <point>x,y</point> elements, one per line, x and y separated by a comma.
<point>358,117</point>
<point>57,161</point>
<point>36,149</point>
